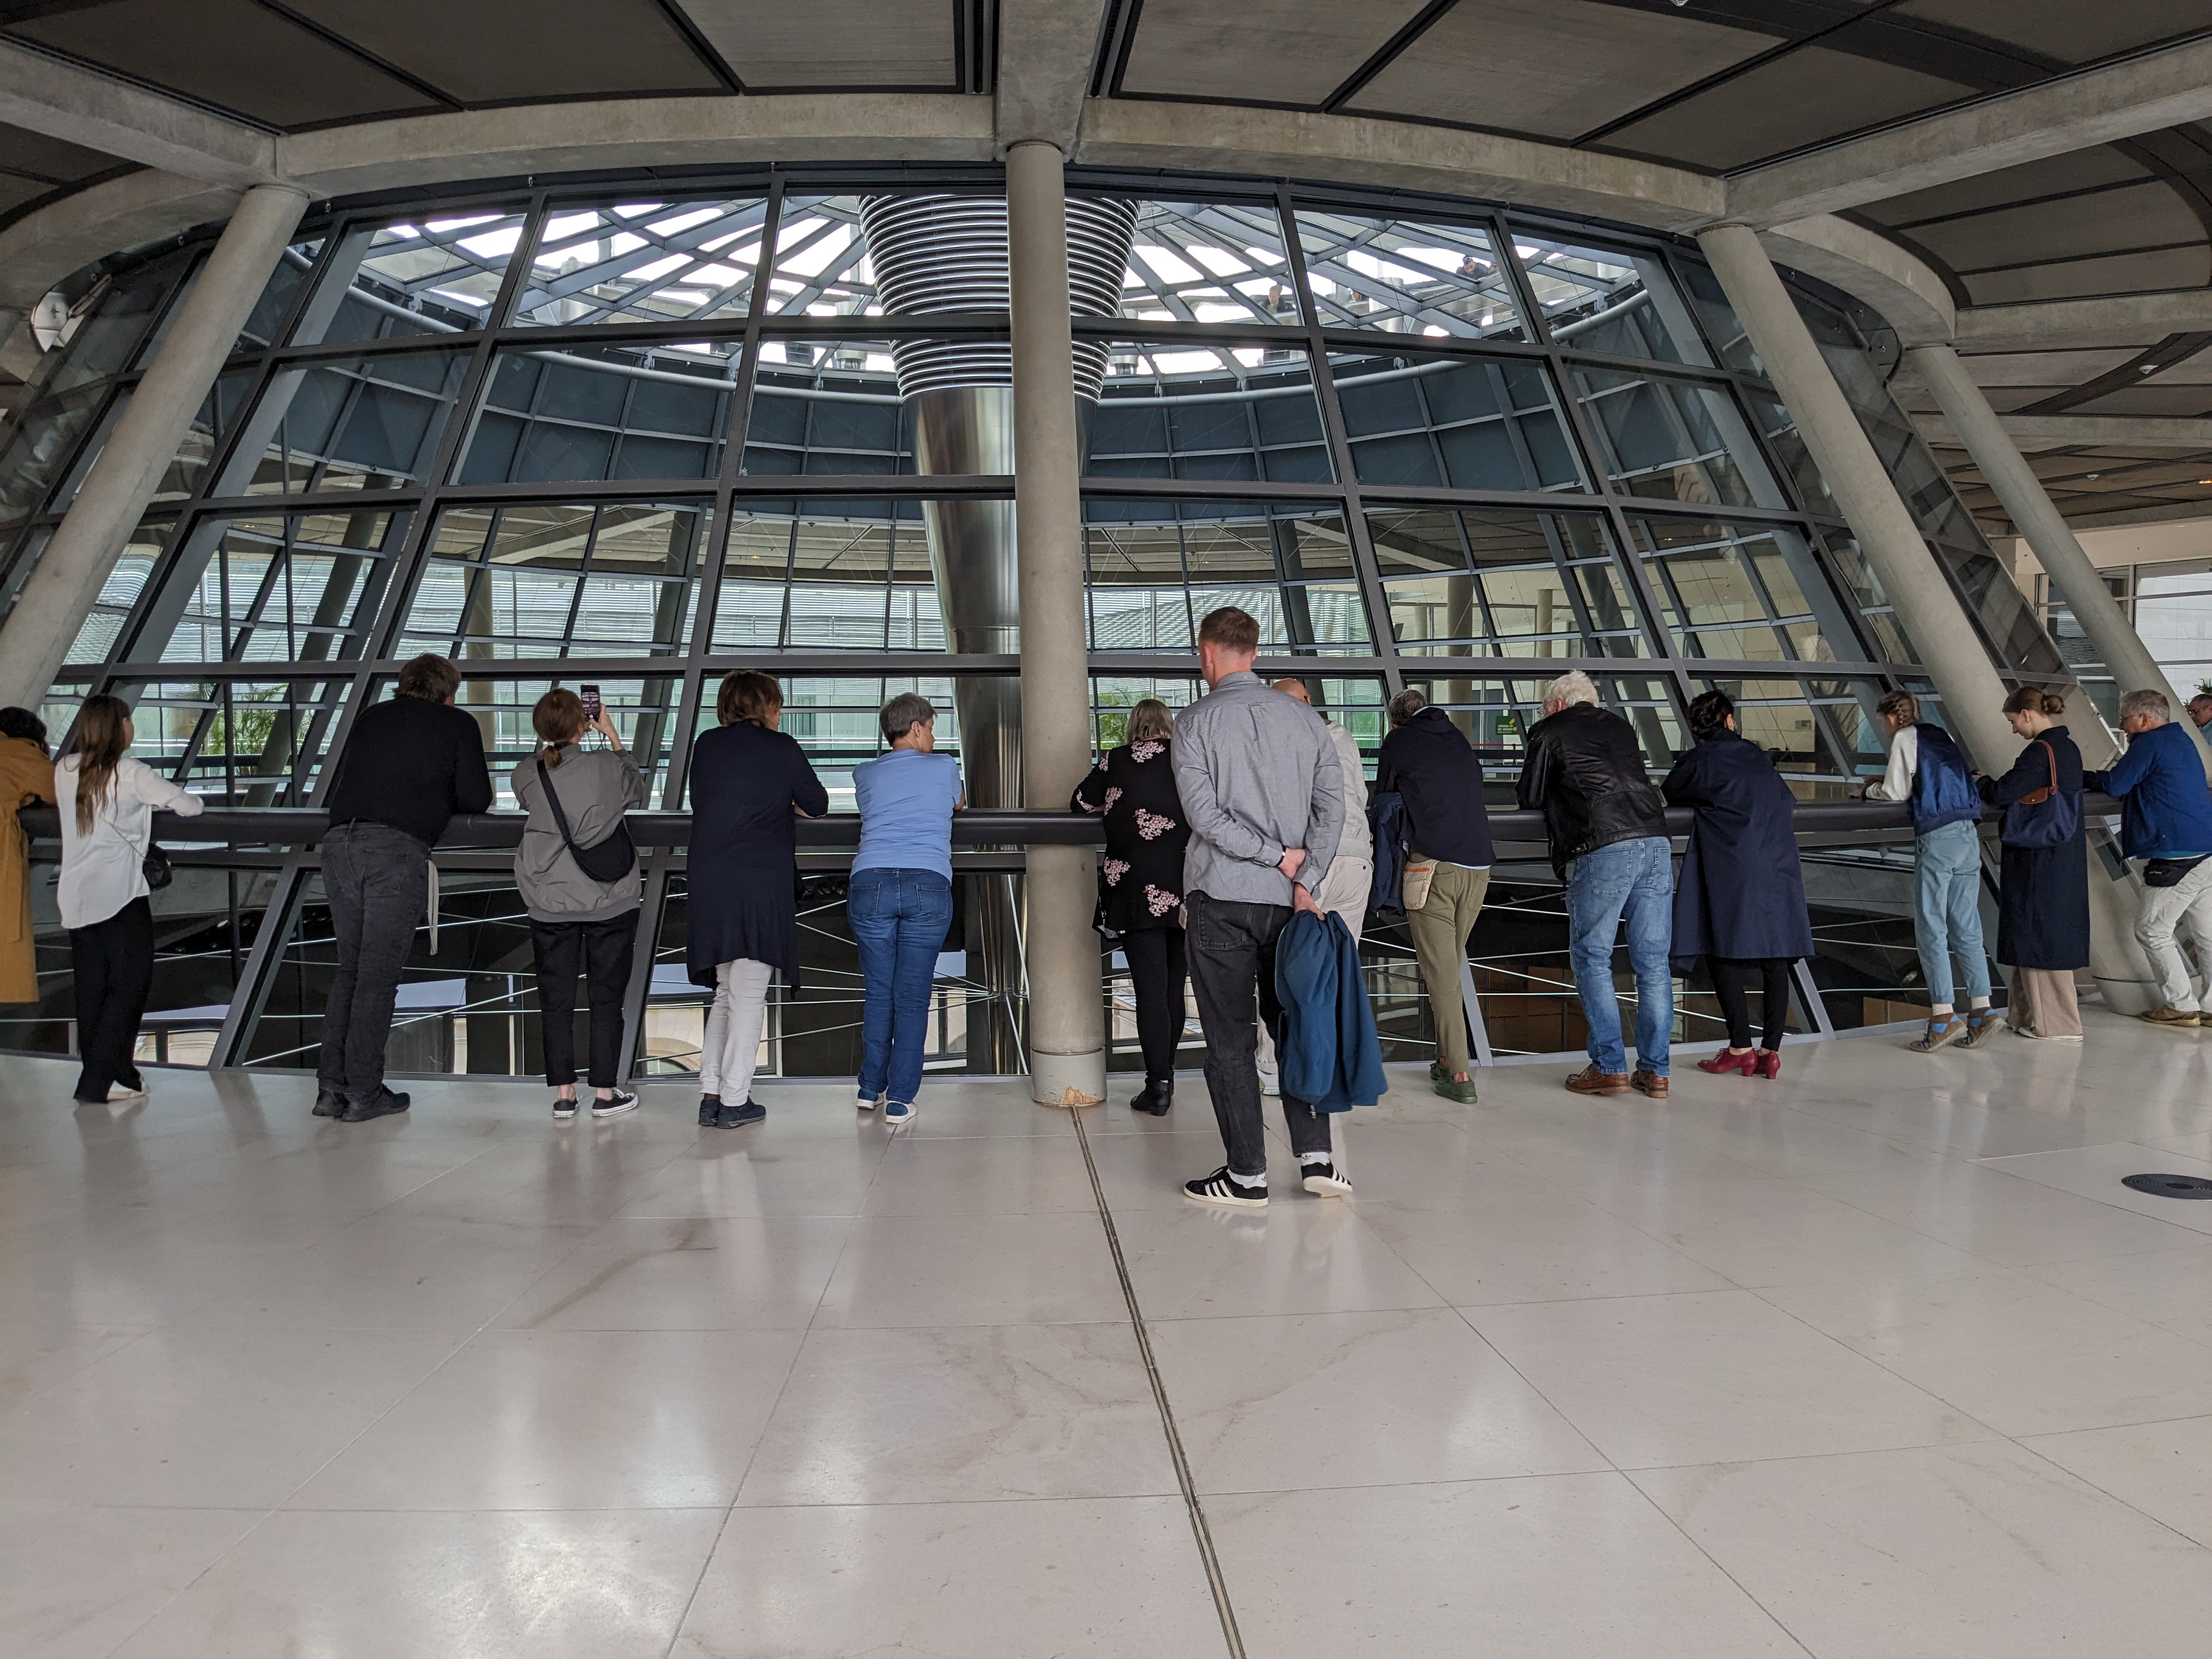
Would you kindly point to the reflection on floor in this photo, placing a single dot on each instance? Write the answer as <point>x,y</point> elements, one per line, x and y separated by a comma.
<point>1881,1360</point>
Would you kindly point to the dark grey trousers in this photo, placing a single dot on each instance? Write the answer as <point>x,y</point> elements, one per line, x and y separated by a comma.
<point>377,880</point>
<point>1231,950</point>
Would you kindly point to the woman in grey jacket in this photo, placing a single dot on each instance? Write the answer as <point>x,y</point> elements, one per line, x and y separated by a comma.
<point>575,920</point>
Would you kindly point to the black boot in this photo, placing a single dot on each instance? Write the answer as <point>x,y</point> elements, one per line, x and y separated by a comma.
<point>1158,1097</point>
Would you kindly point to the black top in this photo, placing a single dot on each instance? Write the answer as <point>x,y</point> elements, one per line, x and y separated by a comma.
<point>1430,763</point>
<point>411,763</point>
<point>1742,893</point>
<point>1585,771</point>
<point>741,877</point>
<point>2043,892</point>
<point>1140,878</point>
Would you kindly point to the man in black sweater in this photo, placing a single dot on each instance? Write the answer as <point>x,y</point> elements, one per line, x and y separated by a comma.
<point>408,767</point>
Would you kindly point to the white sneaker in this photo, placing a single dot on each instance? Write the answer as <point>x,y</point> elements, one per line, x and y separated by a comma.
<point>118,1093</point>
<point>1271,1085</point>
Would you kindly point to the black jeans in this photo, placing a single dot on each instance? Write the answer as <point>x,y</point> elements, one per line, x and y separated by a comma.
<point>114,965</point>
<point>1728,974</point>
<point>1233,956</point>
<point>377,879</point>
<point>603,950</point>
<point>1157,975</point>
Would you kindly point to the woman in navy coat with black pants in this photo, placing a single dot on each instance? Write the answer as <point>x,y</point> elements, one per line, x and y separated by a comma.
<point>1740,900</point>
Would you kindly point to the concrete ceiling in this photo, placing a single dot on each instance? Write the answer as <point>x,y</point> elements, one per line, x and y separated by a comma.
<point>1802,107</point>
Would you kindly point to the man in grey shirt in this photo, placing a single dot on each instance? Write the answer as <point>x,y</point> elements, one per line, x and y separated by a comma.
<point>1263,793</point>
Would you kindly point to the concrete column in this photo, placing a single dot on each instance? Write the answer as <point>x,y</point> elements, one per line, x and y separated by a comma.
<point>60,592</point>
<point>1952,653</point>
<point>1067,1016</point>
<point>2022,496</point>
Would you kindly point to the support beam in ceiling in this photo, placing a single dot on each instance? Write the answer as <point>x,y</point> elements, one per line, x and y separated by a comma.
<point>2163,87</point>
<point>79,106</point>
<point>1046,49</point>
<point>2068,431</point>
<point>2114,319</point>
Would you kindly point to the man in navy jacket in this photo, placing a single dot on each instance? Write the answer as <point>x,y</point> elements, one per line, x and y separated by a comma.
<point>2165,818</point>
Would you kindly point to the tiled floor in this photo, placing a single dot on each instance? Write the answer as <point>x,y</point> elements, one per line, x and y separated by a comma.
<point>1875,1362</point>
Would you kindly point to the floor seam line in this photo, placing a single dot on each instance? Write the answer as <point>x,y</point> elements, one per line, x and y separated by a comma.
<point>1216,1582</point>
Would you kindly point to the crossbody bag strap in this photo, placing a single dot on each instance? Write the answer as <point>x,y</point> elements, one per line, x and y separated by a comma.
<point>553,800</point>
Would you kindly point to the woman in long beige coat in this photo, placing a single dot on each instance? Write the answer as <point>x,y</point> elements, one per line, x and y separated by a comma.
<point>26,775</point>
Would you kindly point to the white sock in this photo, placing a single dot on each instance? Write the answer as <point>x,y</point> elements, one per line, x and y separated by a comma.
<point>1259,1180</point>
<point>1307,1160</point>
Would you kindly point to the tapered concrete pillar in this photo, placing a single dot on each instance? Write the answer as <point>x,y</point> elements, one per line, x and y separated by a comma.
<point>60,592</point>
<point>1067,1014</point>
<point>2025,502</point>
<point>1950,650</point>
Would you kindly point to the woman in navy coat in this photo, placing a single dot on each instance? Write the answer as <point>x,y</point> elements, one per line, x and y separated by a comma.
<point>1740,900</point>
<point>2043,892</point>
<point>750,784</point>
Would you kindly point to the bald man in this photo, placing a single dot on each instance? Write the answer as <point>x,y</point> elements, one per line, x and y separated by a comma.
<point>1343,891</point>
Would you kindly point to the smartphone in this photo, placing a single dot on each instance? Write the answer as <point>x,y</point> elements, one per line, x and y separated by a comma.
<point>589,695</point>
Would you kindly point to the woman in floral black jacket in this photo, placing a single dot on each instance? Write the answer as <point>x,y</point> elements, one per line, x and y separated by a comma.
<point>1140,885</point>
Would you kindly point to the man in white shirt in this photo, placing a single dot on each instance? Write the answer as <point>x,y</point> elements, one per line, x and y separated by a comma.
<point>1343,891</point>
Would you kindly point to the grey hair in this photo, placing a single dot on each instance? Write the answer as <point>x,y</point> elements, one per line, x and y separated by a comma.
<point>2153,703</point>
<point>1572,687</point>
<point>1407,704</point>
<point>903,713</point>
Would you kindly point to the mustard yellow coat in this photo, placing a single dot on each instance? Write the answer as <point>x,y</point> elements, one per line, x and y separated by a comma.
<point>26,775</point>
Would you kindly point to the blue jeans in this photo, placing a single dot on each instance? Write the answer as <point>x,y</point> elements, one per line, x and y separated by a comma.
<point>898,918</point>
<point>1947,910</point>
<point>1633,879</point>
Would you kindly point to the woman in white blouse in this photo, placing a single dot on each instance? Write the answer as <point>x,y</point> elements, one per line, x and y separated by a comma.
<point>108,802</point>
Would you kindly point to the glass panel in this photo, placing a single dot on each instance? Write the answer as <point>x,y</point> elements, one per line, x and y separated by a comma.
<point>1503,583</point>
<point>1891,642</point>
<point>593,412</point>
<point>644,711</point>
<point>300,587</point>
<point>829,574</point>
<point>558,579</point>
<point>822,267</point>
<point>1407,276</point>
<point>1455,423</point>
<point>1157,568</point>
<point>275,304</point>
<point>114,319</point>
<point>1672,441</point>
<point>237,743</point>
<point>211,429</point>
<point>1721,325</point>
<point>1208,262</point>
<point>40,445</point>
<point>835,720</point>
<point>1752,592</point>
<point>828,407</point>
<point>1208,412</point>
<point>1810,730</point>
<point>646,262</point>
<point>368,422</point>
<point>436,275</point>
<point>1608,300</point>
<point>118,595</point>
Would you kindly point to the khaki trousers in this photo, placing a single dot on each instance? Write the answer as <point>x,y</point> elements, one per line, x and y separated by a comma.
<point>1440,929</point>
<point>2043,1001</point>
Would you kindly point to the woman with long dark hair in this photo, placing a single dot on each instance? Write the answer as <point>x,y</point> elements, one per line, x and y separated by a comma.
<point>579,918</point>
<point>1133,789</point>
<point>2043,891</point>
<point>1740,900</point>
<point>26,777</point>
<point>107,803</point>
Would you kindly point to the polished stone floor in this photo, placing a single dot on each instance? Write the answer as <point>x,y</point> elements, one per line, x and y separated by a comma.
<point>1879,1361</point>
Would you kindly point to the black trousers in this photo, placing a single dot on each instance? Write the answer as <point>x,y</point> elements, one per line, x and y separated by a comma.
<point>1157,973</point>
<point>603,951</point>
<point>378,882</point>
<point>113,964</point>
<point>1232,957</point>
<point>1728,974</point>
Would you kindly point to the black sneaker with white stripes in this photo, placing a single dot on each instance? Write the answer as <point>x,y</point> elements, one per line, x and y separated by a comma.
<point>1325,1180</point>
<point>1221,1188</point>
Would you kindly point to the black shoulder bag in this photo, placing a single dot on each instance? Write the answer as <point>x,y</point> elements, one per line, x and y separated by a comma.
<point>609,859</point>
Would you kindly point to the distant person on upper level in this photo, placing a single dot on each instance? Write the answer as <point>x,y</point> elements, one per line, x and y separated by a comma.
<point>408,767</point>
<point>1927,770</point>
<point>2166,820</point>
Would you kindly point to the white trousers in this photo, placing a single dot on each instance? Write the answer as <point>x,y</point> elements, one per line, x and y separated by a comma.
<point>2162,911</point>
<point>731,1047</point>
<point>1343,892</point>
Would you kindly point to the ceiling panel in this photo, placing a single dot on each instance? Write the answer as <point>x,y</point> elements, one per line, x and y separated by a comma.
<point>41,157</point>
<point>520,48</point>
<point>2045,368</point>
<point>1809,96</point>
<point>2072,31</point>
<point>2125,273</point>
<point>831,43</point>
<point>229,52</point>
<point>1278,52</point>
<point>2148,214</point>
<point>2058,175</point>
<point>2164,402</point>
<point>1554,68</point>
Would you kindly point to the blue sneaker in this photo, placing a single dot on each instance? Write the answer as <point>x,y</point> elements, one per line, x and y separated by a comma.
<point>898,1113</point>
<point>867,1104</point>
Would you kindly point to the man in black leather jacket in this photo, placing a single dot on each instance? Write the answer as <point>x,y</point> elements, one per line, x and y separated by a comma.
<point>1607,828</point>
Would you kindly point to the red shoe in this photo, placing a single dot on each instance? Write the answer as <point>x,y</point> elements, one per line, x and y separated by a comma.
<point>1768,1065</point>
<point>1724,1062</point>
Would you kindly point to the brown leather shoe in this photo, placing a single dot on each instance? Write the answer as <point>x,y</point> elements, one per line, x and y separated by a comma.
<point>1649,1083</point>
<point>1591,1081</point>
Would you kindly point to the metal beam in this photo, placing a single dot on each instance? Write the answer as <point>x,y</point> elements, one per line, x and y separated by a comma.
<point>2113,319</point>
<point>2060,431</point>
<point>1045,50</point>
<point>82,106</point>
<point>2166,87</point>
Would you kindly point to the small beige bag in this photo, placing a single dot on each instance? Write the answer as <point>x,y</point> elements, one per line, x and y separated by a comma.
<point>1413,885</point>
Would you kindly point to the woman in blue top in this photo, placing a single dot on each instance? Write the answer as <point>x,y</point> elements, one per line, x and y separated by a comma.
<point>900,901</point>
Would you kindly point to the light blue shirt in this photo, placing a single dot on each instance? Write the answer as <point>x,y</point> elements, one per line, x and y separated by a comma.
<point>905,800</point>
